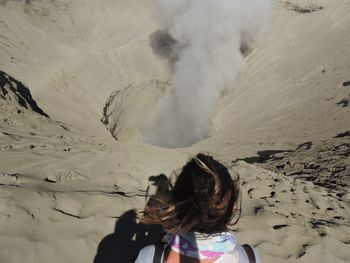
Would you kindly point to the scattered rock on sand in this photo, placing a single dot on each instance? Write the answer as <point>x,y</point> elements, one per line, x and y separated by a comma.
<point>325,163</point>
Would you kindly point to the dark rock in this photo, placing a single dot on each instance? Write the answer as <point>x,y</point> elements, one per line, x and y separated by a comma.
<point>11,88</point>
<point>276,227</point>
<point>343,103</point>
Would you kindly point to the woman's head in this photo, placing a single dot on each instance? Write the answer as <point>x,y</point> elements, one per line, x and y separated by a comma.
<point>202,199</point>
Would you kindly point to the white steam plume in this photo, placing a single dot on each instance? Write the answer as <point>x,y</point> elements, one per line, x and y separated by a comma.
<point>208,35</point>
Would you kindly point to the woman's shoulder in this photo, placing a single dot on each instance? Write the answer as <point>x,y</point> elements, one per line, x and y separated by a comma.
<point>146,254</point>
<point>239,255</point>
<point>243,256</point>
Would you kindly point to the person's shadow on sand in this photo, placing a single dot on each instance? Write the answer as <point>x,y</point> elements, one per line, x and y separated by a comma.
<point>128,239</point>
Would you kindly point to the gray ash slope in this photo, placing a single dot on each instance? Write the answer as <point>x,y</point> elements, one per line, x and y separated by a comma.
<point>325,163</point>
<point>16,93</point>
<point>20,110</point>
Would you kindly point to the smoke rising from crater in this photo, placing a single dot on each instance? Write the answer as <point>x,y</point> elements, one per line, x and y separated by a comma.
<point>209,35</point>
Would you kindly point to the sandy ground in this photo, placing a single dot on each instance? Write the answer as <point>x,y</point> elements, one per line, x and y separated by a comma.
<point>67,185</point>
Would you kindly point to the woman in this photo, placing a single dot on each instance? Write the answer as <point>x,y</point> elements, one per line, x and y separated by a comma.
<point>195,213</point>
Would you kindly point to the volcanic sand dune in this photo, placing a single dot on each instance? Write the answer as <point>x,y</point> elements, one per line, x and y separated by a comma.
<point>66,182</point>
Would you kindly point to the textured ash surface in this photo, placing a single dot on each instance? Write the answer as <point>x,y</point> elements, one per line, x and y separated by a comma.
<point>325,163</point>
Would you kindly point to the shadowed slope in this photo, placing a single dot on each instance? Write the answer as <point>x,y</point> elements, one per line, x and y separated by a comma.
<point>12,90</point>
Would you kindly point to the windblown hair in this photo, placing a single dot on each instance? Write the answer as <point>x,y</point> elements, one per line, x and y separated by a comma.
<point>202,199</point>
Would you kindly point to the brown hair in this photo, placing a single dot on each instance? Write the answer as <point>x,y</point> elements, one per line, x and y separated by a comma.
<point>202,199</point>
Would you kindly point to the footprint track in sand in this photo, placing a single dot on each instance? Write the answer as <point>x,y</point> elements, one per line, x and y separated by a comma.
<point>67,175</point>
<point>322,207</point>
<point>10,179</point>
